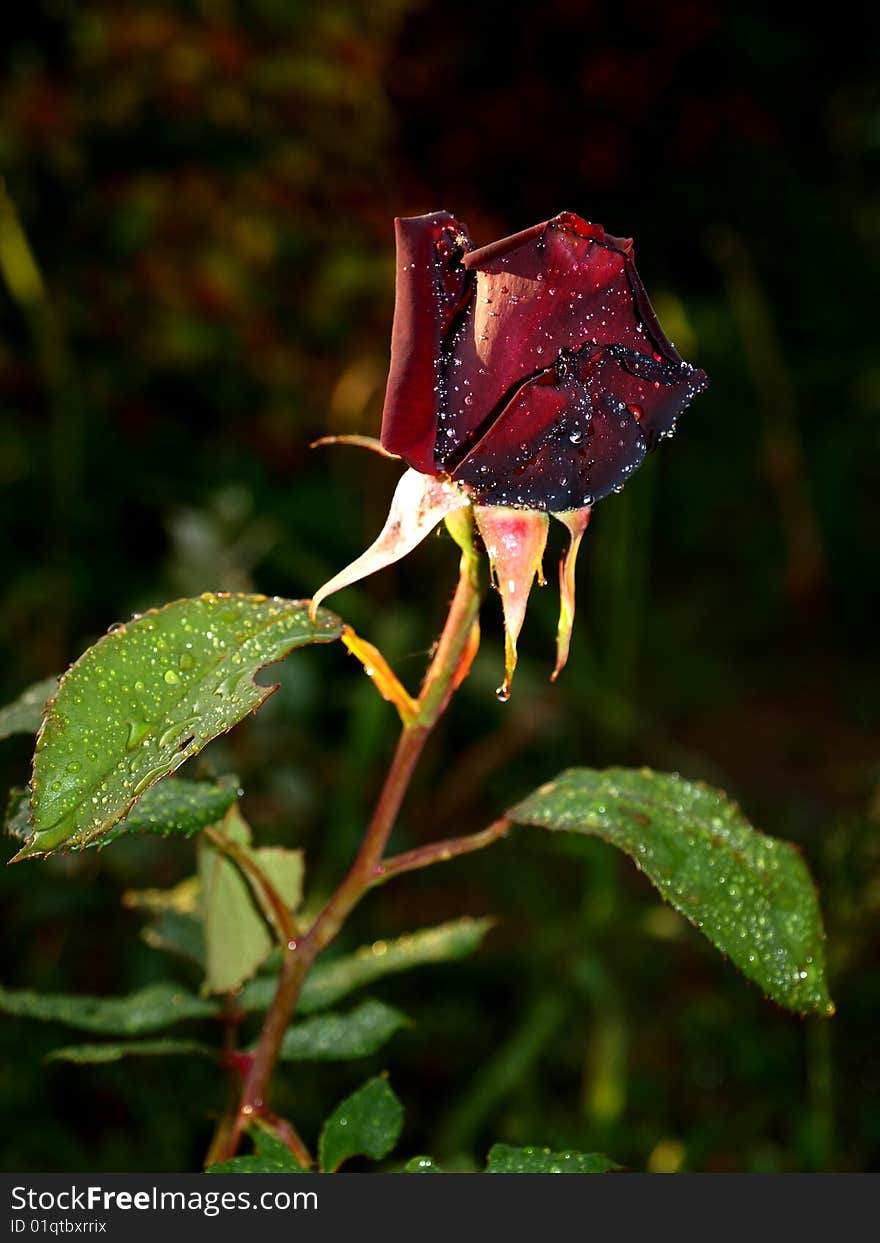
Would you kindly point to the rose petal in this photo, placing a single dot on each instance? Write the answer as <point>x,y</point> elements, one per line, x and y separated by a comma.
<point>559,286</point>
<point>654,390</point>
<point>577,431</point>
<point>541,412</point>
<point>432,286</point>
<point>419,503</point>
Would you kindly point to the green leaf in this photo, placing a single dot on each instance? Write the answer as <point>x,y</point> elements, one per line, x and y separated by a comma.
<point>17,821</point>
<point>751,895</point>
<point>148,696</point>
<point>173,933</point>
<point>270,1156</point>
<point>176,925</point>
<point>176,807</point>
<point>329,981</point>
<point>184,898</point>
<point>149,1010</point>
<point>367,1124</point>
<point>503,1159</point>
<point>422,1165</point>
<point>236,935</point>
<point>24,716</point>
<point>93,1054</point>
<point>285,869</point>
<point>337,1037</point>
<point>173,808</point>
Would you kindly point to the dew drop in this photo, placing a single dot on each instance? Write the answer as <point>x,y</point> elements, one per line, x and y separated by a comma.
<point>171,677</point>
<point>137,731</point>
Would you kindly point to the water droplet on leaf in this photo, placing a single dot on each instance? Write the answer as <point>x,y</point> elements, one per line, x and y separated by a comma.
<point>137,731</point>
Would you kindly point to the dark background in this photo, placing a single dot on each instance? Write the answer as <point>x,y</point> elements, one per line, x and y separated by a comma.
<point>208,191</point>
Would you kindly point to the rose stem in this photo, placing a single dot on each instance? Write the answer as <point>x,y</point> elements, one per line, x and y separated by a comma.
<point>440,852</point>
<point>454,652</point>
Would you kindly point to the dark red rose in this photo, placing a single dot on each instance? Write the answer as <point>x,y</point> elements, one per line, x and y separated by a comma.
<point>532,370</point>
<point>528,377</point>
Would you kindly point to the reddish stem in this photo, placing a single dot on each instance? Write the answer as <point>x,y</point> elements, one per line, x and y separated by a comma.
<point>440,852</point>
<point>452,658</point>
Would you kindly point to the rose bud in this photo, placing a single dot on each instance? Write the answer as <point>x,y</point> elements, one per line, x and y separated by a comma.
<point>528,377</point>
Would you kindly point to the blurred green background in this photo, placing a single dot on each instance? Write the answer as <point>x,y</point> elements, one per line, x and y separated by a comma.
<point>196,280</point>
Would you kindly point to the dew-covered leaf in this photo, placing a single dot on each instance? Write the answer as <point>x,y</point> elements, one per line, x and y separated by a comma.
<point>149,1010</point>
<point>751,895</point>
<point>330,981</point>
<point>504,1159</point>
<point>173,808</point>
<point>236,935</point>
<point>337,1037</point>
<point>96,1054</point>
<point>422,1165</point>
<point>366,1124</point>
<point>176,808</point>
<point>149,695</point>
<point>270,1156</point>
<point>25,714</point>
